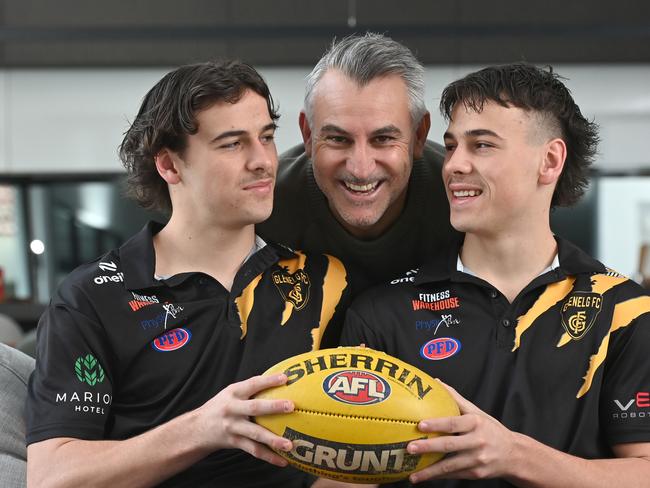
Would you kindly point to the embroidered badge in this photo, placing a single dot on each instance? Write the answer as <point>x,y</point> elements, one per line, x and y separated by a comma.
<point>293,287</point>
<point>579,312</point>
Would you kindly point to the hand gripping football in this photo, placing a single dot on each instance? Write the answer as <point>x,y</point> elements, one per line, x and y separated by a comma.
<point>356,409</point>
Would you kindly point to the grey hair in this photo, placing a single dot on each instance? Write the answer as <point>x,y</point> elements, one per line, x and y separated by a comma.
<point>363,58</point>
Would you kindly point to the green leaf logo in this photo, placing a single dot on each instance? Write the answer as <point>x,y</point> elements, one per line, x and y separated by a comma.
<point>88,370</point>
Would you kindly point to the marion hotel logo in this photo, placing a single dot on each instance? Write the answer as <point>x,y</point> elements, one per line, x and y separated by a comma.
<point>89,373</point>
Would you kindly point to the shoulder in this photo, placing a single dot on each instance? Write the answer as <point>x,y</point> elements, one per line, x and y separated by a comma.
<point>88,278</point>
<point>297,258</point>
<point>386,294</point>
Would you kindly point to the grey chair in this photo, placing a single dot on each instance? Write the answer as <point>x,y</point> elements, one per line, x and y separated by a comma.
<point>15,368</point>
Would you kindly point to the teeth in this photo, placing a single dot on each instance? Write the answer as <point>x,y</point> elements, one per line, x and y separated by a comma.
<point>361,188</point>
<point>467,193</point>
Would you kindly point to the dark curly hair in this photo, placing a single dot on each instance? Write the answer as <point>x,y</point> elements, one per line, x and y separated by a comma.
<point>533,89</point>
<point>168,115</point>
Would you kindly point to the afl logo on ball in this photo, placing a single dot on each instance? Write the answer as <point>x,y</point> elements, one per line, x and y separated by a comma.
<point>356,387</point>
<point>440,348</point>
<point>172,340</point>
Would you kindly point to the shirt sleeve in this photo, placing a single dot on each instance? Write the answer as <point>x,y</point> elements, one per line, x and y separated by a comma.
<point>625,399</point>
<point>70,391</point>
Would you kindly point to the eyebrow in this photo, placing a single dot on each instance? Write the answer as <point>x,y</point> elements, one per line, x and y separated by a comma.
<point>474,133</point>
<point>333,128</point>
<point>389,129</point>
<point>236,133</point>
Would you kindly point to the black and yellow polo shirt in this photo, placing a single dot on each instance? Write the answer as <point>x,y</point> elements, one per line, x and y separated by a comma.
<point>566,362</point>
<point>120,352</point>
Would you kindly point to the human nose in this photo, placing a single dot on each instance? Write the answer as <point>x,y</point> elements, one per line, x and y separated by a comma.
<point>457,162</point>
<point>360,162</point>
<point>263,156</point>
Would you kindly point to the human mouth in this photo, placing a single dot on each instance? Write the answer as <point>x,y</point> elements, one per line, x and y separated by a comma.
<point>466,193</point>
<point>260,185</point>
<point>356,188</point>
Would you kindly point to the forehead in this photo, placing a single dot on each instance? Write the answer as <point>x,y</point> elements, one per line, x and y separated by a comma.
<point>339,100</point>
<point>249,111</point>
<point>508,122</point>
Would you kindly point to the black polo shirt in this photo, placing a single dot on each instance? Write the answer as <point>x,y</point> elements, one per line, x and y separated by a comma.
<point>120,352</point>
<point>566,362</point>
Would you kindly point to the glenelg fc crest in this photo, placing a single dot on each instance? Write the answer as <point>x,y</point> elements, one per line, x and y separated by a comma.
<point>294,287</point>
<point>579,312</point>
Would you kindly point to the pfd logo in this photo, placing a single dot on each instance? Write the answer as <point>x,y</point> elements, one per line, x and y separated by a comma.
<point>293,287</point>
<point>356,387</point>
<point>440,348</point>
<point>579,312</point>
<point>172,340</point>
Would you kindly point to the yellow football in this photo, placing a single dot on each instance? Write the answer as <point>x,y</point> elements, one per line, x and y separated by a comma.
<point>356,409</point>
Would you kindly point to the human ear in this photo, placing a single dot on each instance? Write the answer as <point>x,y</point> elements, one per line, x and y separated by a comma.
<point>167,166</point>
<point>421,132</point>
<point>553,162</point>
<point>305,130</point>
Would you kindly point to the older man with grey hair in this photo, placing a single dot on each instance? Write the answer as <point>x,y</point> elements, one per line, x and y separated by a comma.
<point>366,185</point>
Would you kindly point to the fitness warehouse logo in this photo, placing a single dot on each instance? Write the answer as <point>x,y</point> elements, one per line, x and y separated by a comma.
<point>435,301</point>
<point>293,287</point>
<point>579,312</point>
<point>89,372</point>
<point>632,408</point>
<point>140,301</point>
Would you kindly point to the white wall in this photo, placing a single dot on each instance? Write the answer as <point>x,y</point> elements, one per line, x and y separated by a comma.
<point>623,206</point>
<point>72,120</point>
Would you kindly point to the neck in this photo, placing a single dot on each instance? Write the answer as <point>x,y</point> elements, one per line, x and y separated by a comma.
<point>509,262</point>
<point>182,246</point>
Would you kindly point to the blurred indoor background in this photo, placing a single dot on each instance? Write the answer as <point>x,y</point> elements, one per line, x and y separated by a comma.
<point>73,73</point>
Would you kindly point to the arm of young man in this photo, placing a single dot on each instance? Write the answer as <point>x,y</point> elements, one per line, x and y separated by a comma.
<point>484,448</point>
<point>145,460</point>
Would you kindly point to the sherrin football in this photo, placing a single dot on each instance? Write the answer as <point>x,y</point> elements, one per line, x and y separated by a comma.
<point>356,409</point>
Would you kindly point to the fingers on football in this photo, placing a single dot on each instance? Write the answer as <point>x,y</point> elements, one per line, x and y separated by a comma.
<point>259,435</point>
<point>450,425</point>
<point>251,386</point>
<point>465,405</point>
<point>260,451</point>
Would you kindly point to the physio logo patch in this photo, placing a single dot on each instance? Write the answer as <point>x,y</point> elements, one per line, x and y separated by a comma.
<point>356,387</point>
<point>88,370</point>
<point>172,340</point>
<point>440,348</point>
<point>579,312</point>
<point>446,320</point>
<point>293,287</point>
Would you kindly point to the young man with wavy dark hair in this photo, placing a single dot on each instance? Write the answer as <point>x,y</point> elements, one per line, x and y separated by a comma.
<point>545,347</point>
<point>148,358</point>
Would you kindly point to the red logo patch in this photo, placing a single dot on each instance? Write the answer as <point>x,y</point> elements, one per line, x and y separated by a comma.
<point>171,340</point>
<point>440,348</point>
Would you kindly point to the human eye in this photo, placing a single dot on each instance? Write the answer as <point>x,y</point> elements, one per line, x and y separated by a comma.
<point>449,146</point>
<point>336,139</point>
<point>268,138</point>
<point>483,146</point>
<point>231,145</point>
<point>383,139</point>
